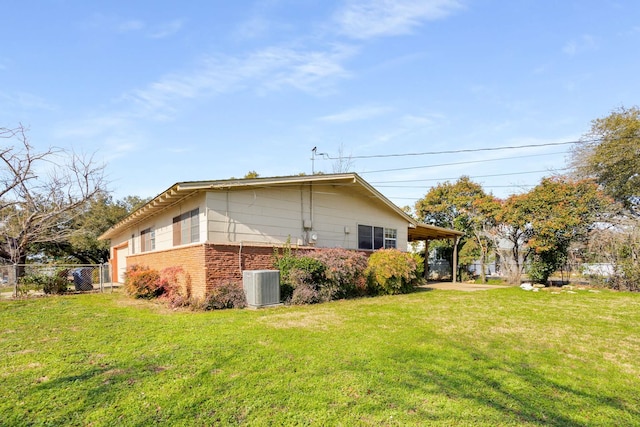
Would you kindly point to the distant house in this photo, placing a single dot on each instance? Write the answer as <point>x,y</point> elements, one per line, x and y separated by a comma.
<point>216,229</point>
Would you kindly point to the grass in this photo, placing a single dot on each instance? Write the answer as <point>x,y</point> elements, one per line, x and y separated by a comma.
<point>499,357</point>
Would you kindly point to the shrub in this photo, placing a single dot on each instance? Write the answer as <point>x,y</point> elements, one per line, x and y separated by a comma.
<point>392,272</point>
<point>305,294</point>
<point>296,270</point>
<point>344,272</point>
<point>55,284</point>
<point>230,295</point>
<point>142,282</point>
<point>175,286</point>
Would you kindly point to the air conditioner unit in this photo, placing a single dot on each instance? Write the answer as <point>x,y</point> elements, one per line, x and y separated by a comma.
<point>261,287</point>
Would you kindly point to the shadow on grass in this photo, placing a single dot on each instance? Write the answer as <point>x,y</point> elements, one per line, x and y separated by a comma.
<point>517,390</point>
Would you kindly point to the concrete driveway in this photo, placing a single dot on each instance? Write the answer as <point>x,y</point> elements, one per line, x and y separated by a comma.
<point>469,287</point>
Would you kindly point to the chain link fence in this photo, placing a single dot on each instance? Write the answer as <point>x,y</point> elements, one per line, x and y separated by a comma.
<point>21,280</point>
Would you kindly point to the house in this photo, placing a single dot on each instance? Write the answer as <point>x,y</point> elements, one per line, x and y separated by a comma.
<point>216,229</point>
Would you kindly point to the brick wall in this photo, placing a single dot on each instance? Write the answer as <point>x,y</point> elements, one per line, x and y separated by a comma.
<point>210,265</point>
<point>226,262</point>
<point>190,258</point>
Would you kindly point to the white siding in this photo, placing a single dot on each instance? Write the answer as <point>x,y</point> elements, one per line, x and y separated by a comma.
<point>273,215</point>
<point>163,225</point>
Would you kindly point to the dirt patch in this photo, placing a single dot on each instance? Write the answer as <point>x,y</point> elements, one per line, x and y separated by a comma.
<point>467,287</point>
<point>298,319</point>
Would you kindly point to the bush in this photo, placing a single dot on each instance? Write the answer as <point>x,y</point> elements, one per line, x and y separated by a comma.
<point>175,287</point>
<point>305,294</point>
<point>344,272</point>
<point>296,270</point>
<point>142,282</point>
<point>55,284</point>
<point>392,272</point>
<point>230,295</point>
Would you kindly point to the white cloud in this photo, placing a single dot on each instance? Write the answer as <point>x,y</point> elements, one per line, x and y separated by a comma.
<point>263,71</point>
<point>27,101</point>
<point>130,25</point>
<point>582,44</point>
<point>253,28</point>
<point>167,29</point>
<point>364,112</point>
<point>364,19</point>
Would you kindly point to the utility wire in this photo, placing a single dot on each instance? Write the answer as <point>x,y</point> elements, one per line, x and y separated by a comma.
<point>471,177</point>
<point>459,163</point>
<point>467,150</point>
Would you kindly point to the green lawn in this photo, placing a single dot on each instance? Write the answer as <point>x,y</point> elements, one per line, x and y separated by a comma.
<point>498,357</point>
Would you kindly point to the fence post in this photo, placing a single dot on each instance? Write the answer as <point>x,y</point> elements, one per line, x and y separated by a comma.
<point>15,280</point>
<point>101,279</point>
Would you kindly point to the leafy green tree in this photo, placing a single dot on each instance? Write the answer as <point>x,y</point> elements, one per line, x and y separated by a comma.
<point>610,153</point>
<point>463,206</point>
<point>82,244</point>
<point>541,224</point>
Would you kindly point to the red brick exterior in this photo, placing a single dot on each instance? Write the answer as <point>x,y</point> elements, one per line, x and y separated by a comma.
<point>188,257</point>
<point>209,265</point>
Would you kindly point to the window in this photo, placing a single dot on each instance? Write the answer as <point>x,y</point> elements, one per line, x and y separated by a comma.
<point>390,237</point>
<point>147,240</point>
<point>186,228</point>
<point>133,243</point>
<point>372,238</point>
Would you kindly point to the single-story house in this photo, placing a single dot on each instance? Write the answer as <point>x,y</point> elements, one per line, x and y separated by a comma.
<point>216,229</point>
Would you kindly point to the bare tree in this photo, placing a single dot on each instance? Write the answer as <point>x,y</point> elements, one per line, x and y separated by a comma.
<point>343,163</point>
<point>41,193</point>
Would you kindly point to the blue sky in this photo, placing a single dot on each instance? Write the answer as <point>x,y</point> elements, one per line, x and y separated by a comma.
<point>168,91</point>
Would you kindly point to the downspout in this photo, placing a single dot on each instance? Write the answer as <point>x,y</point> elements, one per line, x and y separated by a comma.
<point>240,257</point>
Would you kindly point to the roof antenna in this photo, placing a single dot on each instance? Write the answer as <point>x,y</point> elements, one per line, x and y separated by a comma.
<point>314,153</point>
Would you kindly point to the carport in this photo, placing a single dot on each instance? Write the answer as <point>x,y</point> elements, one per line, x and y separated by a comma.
<point>424,232</point>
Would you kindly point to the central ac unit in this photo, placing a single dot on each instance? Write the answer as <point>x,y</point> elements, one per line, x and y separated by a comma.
<point>261,287</point>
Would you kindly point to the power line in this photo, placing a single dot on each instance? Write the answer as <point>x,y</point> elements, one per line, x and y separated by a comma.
<point>471,177</point>
<point>467,150</point>
<point>459,163</point>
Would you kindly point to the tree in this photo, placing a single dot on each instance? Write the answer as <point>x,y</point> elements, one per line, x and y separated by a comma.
<point>41,193</point>
<point>343,163</point>
<point>97,216</point>
<point>610,153</point>
<point>463,206</point>
<point>542,224</point>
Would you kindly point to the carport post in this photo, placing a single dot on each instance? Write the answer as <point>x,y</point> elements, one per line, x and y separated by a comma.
<point>454,273</point>
<point>426,259</point>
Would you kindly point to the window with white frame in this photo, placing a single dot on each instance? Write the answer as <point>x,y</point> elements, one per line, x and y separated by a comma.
<point>186,228</point>
<point>390,238</point>
<point>147,240</point>
<point>372,238</point>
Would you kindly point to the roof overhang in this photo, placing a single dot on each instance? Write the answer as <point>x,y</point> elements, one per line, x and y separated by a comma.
<point>422,231</point>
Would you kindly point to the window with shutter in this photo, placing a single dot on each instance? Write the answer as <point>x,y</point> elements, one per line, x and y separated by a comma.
<point>186,228</point>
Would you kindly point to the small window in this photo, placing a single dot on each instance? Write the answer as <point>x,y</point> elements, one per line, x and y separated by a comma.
<point>390,237</point>
<point>133,243</point>
<point>372,238</point>
<point>186,228</point>
<point>147,240</point>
